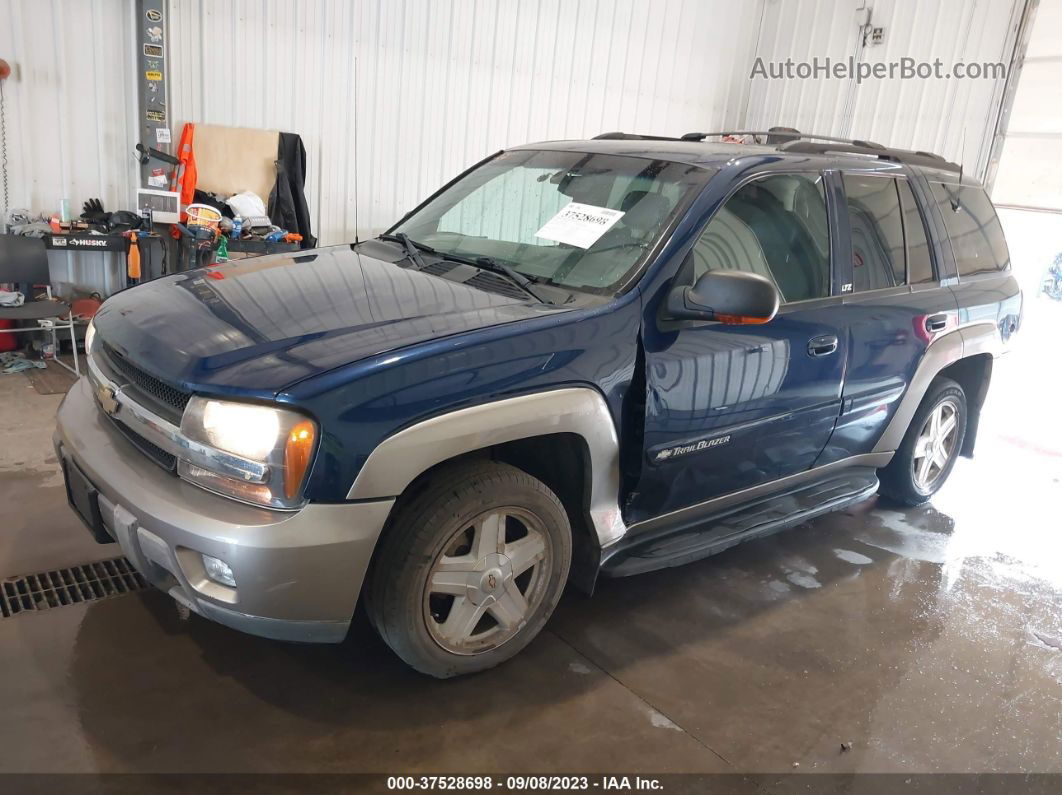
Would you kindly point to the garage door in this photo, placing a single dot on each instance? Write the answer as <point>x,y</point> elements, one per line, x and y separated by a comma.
<point>1030,168</point>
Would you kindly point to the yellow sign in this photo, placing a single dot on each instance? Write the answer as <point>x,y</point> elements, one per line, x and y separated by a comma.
<point>156,76</point>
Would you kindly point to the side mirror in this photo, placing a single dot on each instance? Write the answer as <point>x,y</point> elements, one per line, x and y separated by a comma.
<point>732,297</point>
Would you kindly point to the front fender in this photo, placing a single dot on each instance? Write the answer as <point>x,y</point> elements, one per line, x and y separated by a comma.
<point>400,458</point>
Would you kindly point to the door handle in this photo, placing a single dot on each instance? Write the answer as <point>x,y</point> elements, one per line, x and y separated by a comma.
<point>822,346</point>
<point>936,323</point>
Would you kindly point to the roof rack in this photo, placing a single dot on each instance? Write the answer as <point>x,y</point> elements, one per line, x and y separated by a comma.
<point>622,136</point>
<point>781,135</point>
<point>788,139</point>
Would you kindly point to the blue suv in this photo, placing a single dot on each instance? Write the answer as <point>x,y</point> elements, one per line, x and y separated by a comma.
<point>577,359</point>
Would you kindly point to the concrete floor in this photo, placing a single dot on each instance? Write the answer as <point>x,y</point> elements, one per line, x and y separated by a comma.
<point>929,639</point>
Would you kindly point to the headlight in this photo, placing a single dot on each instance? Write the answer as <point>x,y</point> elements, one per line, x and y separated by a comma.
<point>90,335</point>
<point>246,430</point>
<point>280,439</point>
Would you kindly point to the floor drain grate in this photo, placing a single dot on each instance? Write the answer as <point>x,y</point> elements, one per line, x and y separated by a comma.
<point>85,583</point>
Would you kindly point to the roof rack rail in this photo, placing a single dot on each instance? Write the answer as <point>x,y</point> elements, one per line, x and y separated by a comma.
<point>789,140</point>
<point>924,159</point>
<point>622,136</point>
<point>781,135</point>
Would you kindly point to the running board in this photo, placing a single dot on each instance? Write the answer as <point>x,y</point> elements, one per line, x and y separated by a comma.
<point>676,546</point>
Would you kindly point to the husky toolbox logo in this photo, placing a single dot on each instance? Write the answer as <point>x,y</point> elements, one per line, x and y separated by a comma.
<point>695,447</point>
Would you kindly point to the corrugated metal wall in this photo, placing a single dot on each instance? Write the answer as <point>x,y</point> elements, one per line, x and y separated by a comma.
<point>70,120</point>
<point>931,114</point>
<point>394,98</point>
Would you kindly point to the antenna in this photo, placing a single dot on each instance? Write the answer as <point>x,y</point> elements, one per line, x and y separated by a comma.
<point>962,159</point>
<point>356,169</point>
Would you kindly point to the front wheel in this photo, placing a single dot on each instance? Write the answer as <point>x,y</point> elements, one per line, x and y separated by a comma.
<point>470,569</point>
<point>930,447</point>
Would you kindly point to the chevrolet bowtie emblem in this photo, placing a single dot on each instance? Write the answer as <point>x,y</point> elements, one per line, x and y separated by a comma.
<point>108,400</point>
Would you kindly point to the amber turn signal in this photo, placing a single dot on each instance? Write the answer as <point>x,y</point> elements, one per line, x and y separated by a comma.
<point>742,320</point>
<point>297,452</point>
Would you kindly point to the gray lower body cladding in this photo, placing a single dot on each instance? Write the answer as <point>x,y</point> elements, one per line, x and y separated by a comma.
<point>298,573</point>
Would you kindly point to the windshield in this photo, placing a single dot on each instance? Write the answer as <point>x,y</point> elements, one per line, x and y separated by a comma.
<point>579,221</point>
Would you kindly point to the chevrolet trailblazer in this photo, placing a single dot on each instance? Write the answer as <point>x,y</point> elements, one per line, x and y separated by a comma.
<point>577,359</point>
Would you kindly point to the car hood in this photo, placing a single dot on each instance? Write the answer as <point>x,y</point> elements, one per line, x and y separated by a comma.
<point>260,325</point>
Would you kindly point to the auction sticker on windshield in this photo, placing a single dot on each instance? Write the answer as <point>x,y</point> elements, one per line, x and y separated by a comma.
<point>579,224</point>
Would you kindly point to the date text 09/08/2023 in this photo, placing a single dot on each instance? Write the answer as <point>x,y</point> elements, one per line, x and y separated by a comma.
<point>524,783</point>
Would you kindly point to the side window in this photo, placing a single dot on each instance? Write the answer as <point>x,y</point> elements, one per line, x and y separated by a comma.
<point>777,227</point>
<point>878,258</point>
<point>973,228</point>
<point>919,260</point>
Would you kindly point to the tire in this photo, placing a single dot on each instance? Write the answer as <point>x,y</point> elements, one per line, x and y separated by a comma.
<point>904,479</point>
<point>449,535</point>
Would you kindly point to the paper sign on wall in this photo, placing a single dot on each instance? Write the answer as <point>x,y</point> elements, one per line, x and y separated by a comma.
<point>162,135</point>
<point>579,225</point>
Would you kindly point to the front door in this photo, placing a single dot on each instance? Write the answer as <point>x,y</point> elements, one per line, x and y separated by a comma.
<point>729,407</point>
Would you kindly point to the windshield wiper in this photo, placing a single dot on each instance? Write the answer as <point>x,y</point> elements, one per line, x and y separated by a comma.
<point>492,265</point>
<point>412,248</point>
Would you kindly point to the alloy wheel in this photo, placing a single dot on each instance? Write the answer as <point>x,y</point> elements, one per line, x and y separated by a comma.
<point>490,577</point>
<point>935,445</point>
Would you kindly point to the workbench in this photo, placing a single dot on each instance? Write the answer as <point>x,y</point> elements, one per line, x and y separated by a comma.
<point>250,245</point>
<point>152,259</point>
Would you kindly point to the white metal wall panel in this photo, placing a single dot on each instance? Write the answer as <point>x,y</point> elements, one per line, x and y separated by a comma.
<point>803,30</point>
<point>70,119</point>
<point>439,84</point>
<point>1030,169</point>
<point>952,117</point>
<point>392,99</point>
<point>955,118</point>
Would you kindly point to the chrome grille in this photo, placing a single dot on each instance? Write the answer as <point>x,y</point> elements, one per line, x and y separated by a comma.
<point>160,391</point>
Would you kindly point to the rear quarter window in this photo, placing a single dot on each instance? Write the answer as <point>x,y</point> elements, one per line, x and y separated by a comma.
<point>976,236</point>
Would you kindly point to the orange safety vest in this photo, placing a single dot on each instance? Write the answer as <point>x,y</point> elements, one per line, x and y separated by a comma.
<point>186,176</point>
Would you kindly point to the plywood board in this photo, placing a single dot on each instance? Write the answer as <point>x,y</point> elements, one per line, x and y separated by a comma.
<point>234,159</point>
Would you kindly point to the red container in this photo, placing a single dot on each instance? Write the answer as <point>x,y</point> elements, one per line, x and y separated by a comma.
<point>8,342</point>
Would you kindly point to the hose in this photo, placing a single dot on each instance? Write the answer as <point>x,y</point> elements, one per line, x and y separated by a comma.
<point>3,157</point>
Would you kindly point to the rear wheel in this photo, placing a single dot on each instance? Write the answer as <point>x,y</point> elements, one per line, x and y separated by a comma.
<point>930,447</point>
<point>471,569</point>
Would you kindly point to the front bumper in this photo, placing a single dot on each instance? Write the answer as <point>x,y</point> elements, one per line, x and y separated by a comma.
<point>298,574</point>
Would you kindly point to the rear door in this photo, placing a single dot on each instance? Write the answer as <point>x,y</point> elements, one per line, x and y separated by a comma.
<point>729,407</point>
<point>894,305</point>
<point>986,292</point>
